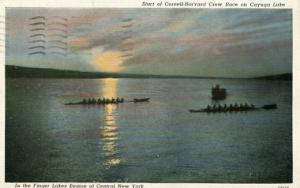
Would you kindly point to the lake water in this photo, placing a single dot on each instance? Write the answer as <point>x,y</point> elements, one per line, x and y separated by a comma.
<point>159,141</point>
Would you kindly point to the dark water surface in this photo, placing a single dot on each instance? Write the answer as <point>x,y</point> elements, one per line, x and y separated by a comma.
<point>159,141</point>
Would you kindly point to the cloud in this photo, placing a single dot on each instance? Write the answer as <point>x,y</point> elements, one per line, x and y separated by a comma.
<point>165,41</point>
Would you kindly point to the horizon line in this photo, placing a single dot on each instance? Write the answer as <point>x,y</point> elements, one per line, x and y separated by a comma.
<point>119,75</point>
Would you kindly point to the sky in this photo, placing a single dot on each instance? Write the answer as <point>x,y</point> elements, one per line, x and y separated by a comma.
<point>188,42</point>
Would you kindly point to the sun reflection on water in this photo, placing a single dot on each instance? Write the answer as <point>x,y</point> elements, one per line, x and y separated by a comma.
<point>109,131</point>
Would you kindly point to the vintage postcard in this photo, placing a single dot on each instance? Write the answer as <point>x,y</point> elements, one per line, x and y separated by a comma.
<point>143,96</point>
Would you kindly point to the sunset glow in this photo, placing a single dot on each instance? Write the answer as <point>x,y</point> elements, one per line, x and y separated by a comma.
<point>110,61</point>
<point>109,131</point>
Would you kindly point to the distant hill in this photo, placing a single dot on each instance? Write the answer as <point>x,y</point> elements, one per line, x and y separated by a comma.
<point>26,72</point>
<point>287,76</point>
<point>12,71</point>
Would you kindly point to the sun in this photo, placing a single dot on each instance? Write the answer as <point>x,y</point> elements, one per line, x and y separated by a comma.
<point>109,61</point>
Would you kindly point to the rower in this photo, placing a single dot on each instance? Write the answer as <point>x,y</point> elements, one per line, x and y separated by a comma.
<point>214,108</point>
<point>208,108</point>
<point>225,107</point>
<point>242,107</point>
<point>230,107</point>
<point>235,107</point>
<point>219,108</point>
<point>246,106</point>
